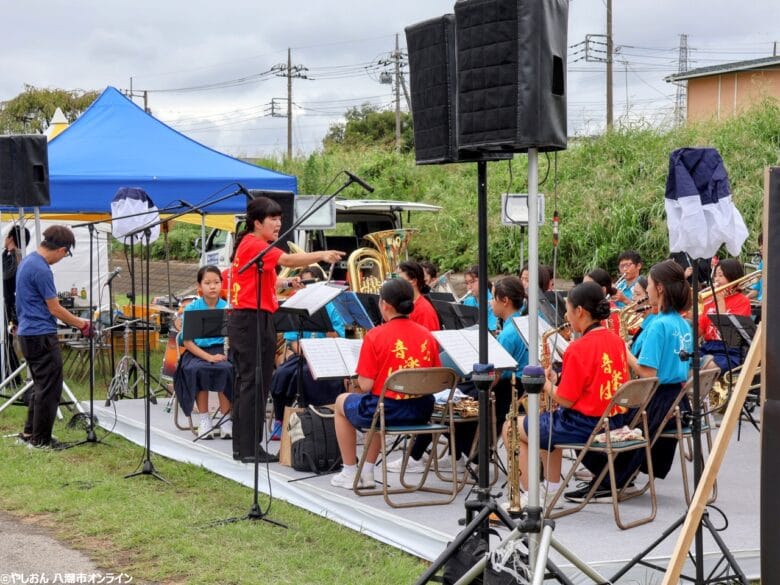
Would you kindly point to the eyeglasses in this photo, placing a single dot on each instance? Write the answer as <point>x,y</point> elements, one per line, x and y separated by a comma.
<point>623,265</point>
<point>469,281</point>
<point>68,252</point>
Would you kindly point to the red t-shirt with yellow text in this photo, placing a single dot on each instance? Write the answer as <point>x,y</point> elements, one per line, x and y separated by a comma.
<point>243,294</point>
<point>594,367</point>
<point>399,344</point>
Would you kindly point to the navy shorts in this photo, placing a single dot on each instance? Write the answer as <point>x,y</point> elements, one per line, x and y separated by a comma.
<point>360,408</point>
<point>565,425</point>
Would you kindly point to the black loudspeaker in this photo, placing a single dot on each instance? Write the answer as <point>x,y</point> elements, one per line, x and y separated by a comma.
<point>770,416</point>
<point>286,200</point>
<point>511,74</point>
<point>24,170</point>
<point>431,48</point>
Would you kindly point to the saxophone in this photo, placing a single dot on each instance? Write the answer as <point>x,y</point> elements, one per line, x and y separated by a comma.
<point>513,453</point>
<point>545,360</point>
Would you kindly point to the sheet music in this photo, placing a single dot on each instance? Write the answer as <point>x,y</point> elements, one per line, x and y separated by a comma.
<point>331,357</point>
<point>557,343</point>
<point>312,298</point>
<point>462,346</point>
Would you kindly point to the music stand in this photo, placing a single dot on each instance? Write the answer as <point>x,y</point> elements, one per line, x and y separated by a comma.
<point>204,323</point>
<point>318,322</point>
<point>352,311</point>
<point>736,331</point>
<point>371,304</point>
<point>455,315</point>
<point>441,296</point>
<point>308,306</point>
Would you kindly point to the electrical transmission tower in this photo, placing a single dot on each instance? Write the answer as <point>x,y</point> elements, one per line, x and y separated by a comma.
<point>289,71</point>
<point>680,101</point>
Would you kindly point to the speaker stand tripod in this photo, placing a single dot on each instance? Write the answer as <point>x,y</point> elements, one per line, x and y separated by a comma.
<point>531,523</point>
<point>731,572</point>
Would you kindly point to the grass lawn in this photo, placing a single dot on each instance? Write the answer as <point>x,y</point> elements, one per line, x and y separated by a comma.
<point>158,532</point>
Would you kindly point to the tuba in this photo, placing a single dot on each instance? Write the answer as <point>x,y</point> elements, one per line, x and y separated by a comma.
<point>368,267</point>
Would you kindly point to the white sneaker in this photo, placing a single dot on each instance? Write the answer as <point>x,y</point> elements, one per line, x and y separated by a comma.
<point>413,466</point>
<point>226,429</point>
<point>547,498</point>
<point>445,464</point>
<point>347,480</point>
<point>205,428</point>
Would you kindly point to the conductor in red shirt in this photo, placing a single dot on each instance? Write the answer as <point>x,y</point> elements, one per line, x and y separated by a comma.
<point>263,224</point>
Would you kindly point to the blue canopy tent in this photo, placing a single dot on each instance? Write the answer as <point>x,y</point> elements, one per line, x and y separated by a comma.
<point>114,144</point>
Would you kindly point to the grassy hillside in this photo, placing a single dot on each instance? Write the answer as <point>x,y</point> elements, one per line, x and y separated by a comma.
<point>609,191</point>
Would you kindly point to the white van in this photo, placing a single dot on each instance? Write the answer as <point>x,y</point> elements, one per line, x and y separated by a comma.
<point>354,219</point>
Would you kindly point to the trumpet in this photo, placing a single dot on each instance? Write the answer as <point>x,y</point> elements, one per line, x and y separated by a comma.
<point>739,284</point>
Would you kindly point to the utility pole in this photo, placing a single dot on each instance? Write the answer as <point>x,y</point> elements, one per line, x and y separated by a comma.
<point>289,71</point>
<point>397,58</point>
<point>609,66</point>
<point>680,101</point>
<point>289,104</point>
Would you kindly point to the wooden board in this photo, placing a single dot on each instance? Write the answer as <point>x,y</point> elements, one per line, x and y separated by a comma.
<point>712,467</point>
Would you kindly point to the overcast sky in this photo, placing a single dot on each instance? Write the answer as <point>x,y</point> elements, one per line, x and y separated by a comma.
<point>174,44</point>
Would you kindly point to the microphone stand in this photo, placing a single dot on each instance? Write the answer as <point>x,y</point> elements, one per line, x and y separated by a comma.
<point>255,512</point>
<point>91,436</point>
<point>147,466</point>
<point>726,569</point>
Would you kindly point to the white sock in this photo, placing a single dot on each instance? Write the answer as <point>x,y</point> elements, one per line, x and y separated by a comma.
<point>551,487</point>
<point>368,468</point>
<point>349,469</point>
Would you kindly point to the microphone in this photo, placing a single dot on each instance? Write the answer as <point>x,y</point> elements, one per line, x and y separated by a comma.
<point>242,189</point>
<point>114,274</point>
<point>355,179</point>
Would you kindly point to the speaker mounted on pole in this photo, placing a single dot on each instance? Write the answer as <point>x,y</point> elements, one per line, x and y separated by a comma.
<point>432,85</point>
<point>24,170</point>
<point>511,74</point>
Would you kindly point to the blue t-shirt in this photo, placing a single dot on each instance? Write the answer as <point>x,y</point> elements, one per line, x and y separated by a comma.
<point>636,346</point>
<point>200,305</point>
<point>34,285</point>
<point>510,340</point>
<point>335,320</point>
<point>492,320</point>
<point>667,335</point>
<point>759,286</point>
<point>627,288</point>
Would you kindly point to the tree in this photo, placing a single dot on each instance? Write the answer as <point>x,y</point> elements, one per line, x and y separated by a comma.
<point>368,125</point>
<point>31,111</point>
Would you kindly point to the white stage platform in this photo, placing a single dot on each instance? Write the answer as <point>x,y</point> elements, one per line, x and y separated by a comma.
<point>425,531</point>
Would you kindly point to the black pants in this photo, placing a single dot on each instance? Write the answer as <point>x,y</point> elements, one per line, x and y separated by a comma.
<point>43,356</point>
<point>248,404</point>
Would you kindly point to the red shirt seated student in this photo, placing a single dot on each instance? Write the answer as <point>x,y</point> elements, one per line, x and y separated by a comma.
<point>729,302</point>
<point>594,367</point>
<point>604,280</point>
<point>398,344</point>
<point>423,312</point>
